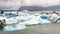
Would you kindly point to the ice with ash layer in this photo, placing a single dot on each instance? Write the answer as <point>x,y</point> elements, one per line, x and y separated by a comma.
<point>58,21</point>
<point>53,17</point>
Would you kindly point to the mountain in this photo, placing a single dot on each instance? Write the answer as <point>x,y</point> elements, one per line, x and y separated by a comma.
<point>55,7</point>
<point>31,8</point>
<point>4,7</point>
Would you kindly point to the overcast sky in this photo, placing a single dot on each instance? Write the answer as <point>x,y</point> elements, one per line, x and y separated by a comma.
<point>15,4</point>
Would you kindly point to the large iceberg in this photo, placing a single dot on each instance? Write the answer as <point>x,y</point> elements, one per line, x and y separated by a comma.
<point>33,20</point>
<point>19,26</point>
<point>38,19</point>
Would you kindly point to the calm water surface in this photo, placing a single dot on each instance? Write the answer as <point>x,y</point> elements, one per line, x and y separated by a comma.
<point>38,29</point>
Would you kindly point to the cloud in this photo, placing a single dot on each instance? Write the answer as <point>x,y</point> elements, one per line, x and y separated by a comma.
<point>17,3</point>
<point>10,3</point>
<point>42,2</point>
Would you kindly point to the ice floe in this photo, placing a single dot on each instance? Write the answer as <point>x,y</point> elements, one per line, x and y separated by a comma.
<point>16,27</point>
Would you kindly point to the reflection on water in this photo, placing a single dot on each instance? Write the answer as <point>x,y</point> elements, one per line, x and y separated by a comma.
<point>37,29</point>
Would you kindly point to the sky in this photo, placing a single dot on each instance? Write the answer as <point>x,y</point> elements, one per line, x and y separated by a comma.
<point>15,4</point>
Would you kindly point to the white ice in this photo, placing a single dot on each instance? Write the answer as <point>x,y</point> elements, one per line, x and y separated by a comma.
<point>11,20</point>
<point>19,26</point>
<point>53,17</point>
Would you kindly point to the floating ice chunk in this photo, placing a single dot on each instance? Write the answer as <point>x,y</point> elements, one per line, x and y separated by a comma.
<point>9,14</point>
<point>26,18</point>
<point>44,16</point>
<point>33,20</point>
<point>58,21</point>
<point>1,18</point>
<point>18,17</point>
<point>19,26</point>
<point>23,14</point>
<point>14,12</point>
<point>45,21</point>
<point>54,17</point>
<point>36,14</point>
<point>23,17</point>
<point>11,21</point>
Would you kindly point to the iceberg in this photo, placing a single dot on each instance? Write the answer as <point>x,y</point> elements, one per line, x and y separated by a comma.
<point>33,20</point>
<point>38,19</point>
<point>1,18</point>
<point>53,17</point>
<point>11,20</point>
<point>58,21</point>
<point>44,16</point>
<point>2,22</point>
<point>19,26</point>
<point>9,15</point>
<point>24,15</point>
<point>45,21</point>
